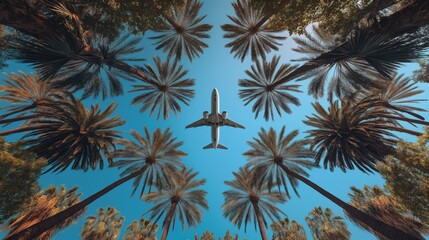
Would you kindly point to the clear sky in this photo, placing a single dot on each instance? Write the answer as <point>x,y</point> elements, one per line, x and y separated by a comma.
<point>216,68</point>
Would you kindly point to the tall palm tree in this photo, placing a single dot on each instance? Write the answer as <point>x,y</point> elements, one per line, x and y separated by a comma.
<point>247,200</point>
<point>250,32</point>
<point>286,229</point>
<point>107,225</point>
<point>281,158</point>
<point>375,202</point>
<point>179,198</point>
<point>151,160</point>
<point>26,95</point>
<point>325,225</point>
<point>43,205</point>
<point>258,88</point>
<point>141,230</point>
<point>166,90</point>
<point>184,32</point>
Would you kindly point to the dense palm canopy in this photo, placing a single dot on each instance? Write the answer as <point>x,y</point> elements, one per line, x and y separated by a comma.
<point>258,88</point>
<point>158,155</point>
<point>71,135</point>
<point>286,229</point>
<point>325,225</point>
<point>181,198</point>
<point>248,34</point>
<point>270,151</point>
<point>43,205</point>
<point>141,230</point>
<point>107,225</point>
<point>166,90</point>
<point>247,200</point>
<point>376,202</point>
<point>184,32</point>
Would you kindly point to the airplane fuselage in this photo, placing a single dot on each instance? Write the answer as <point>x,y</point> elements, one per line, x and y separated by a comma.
<point>215,117</point>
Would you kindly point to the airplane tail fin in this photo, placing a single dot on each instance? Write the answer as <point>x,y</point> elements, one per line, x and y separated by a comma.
<point>210,145</point>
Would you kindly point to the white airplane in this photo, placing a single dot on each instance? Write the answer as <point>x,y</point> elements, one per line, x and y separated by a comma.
<point>215,120</point>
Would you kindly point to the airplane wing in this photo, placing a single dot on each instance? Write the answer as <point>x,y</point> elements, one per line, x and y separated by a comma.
<point>199,123</point>
<point>228,122</point>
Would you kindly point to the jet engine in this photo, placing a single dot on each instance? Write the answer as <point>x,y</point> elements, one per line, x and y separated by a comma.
<point>206,114</point>
<point>224,114</point>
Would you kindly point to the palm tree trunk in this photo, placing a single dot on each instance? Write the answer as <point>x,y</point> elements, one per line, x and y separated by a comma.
<point>260,221</point>
<point>168,220</point>
<point>35,230</point>
<point>381,227</point>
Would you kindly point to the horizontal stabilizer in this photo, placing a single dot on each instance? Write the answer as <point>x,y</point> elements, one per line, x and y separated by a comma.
<point>210,145</point>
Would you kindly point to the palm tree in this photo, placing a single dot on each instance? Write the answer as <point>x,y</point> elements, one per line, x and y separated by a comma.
<point>325,225</point>
<point>286,229</point>
<point>247,200</point>
<point>250,32</point>
<point>141,230</point>
<point>26,95</point>
<point>179,198</point>
<point>257,88</point>
<point>375,202</point>
<point>166,90</point>
<point>184,33</point>
<point>107,225</point>
<point>150,160</point>
<point>280,159</point>
<point>43,205</point>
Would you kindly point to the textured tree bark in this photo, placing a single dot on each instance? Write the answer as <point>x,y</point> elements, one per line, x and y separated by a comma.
<point>381,227</point>
<point>260,221</point>
<point>35,230</point>
<point>168,220</point>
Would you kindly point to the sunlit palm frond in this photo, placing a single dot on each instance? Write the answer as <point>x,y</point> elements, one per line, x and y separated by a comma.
<point>71,135</point>
<point>270,150</point>
<point>365,61</point>
<point>183,191</point>
<point>324,224</point>
<point>349,135</point>
<point>248,35</point>
<point>107,225</point>
<point>286,229</point>
<point>184,33</point>
<point>141,230</point>
<point>239,205</point>
<point>166,91</point>
<point>259,88</point>
<point>158,153</point>
<point>67,62</point>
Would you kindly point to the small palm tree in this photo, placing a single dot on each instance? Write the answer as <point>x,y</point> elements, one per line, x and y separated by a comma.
<point>184,32</point>
<point>286,229</point>
<point>279,158</point>
<point>258,88</point>
<point>247,200</point>
<point>141,230</point>
<point>325,225</point>
<point>250,32</point>
<point>151,160</point>
<point>166,90</point>
<point>179,198</point>
<point>107,225</point>
<point>45,204</point>
<point>375,202</point>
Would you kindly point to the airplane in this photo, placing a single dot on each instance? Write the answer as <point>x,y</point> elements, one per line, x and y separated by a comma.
<point>215,120</point>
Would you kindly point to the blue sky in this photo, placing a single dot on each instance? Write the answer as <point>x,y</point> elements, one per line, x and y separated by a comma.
<point>216,68</point>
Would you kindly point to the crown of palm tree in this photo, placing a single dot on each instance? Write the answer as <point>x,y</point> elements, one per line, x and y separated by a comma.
<point>326,225</point>
<point>259,88</point>
<point>107,225</point>
<point>365,61</point>
<point>69,134</point>
<point>141,230</point>
<point>286,229</point>
<point>184,33</point>
<point>159,154</point>
<point>269,152</point>
<point>238,206</point>
<point>183,191</point>
<point>247,34</point>
<point>166,90</point>
<point>45,204</point>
